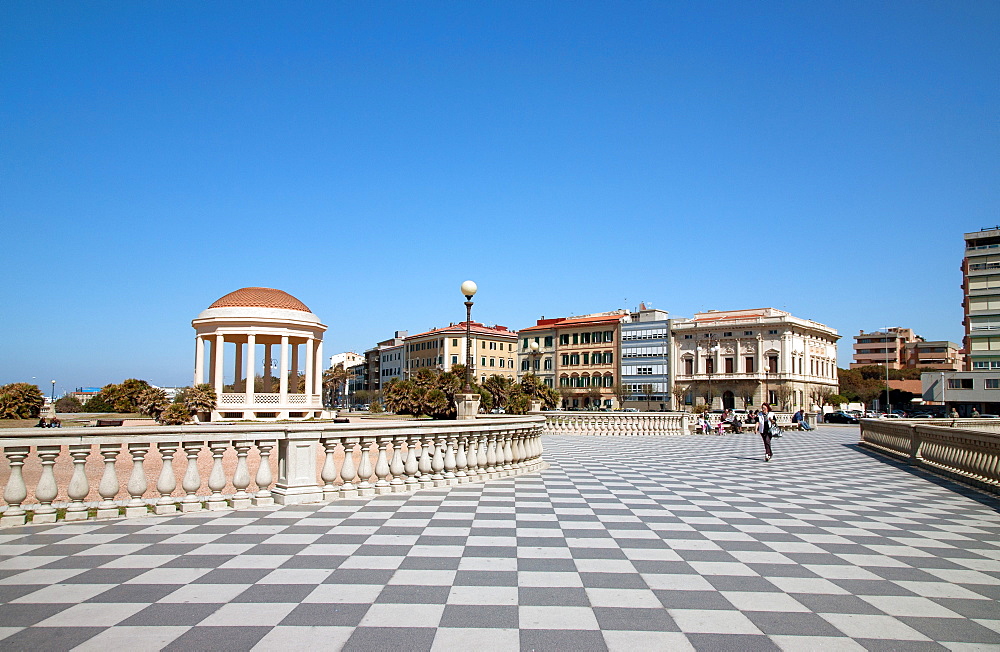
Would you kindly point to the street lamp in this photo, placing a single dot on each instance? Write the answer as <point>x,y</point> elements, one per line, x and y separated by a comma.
<point>709,365</point>
<point>469,290</point>
<point>887,403</point>
<point>533,349</point>
<point>53,391</point>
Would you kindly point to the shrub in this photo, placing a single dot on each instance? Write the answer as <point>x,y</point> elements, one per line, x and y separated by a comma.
<point>20,401</point>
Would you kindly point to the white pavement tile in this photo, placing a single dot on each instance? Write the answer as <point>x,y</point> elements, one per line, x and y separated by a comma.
<point>635,598</point>
<point>255,561</point>
<point>764,601</point>
<point>235,614</point>
<point>132,638</point>
<point>488,640</point>
<point>93,614</point>
<point>548,579</point>
<point>789,643</point>
<point>304,638</point>
<point>168,576</point>
<point>879,627</point>
<point>631,641</point>
<point>344,593</point>
<point>807,585</point>
<point>205,593</point>
<point>296,576</point>
<point>63,594</point>
<point>677,582</point>
<point>901,605</point>
<point>557,618</point>
<point>483,595</point>
<point>402,615</point>
<point>373,562</point>
<point>712,621</point>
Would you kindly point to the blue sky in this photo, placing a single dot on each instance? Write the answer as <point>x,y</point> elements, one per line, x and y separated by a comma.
<point>570,157</point>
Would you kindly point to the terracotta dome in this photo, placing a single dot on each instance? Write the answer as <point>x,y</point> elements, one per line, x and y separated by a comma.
<point>260,298</point>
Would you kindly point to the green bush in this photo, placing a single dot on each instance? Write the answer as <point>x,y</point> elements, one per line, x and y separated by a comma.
<point>20,401</point>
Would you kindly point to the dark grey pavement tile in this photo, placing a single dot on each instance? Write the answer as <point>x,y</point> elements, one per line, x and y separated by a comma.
<point>550,564</point>
<point>105,576</point>
<point>326,615</point>
<point>233,576</point>
<point>539,596</point>
<point>49,639</point>
<point>492,616</point>
<point>162,614</point>
<point>243,637</point>
<point>275,593</point>
<point>836,604</point>
<point>141,593</point>
<point>359,576</point>
<point>411,594</point>
<point>411,639</point>
<point>635,619</point>
<point>692,600</point>
<point>81,561</point>
<point>953,630</point>
<point>562,639</point>
<point>741,642</point>
<point>430,563</point>
<point>485,578</point>
<point>782,622</point>
<point>25,615</point>
<point>613,581</point>
<point>314,561</point>
<point>198,561</point>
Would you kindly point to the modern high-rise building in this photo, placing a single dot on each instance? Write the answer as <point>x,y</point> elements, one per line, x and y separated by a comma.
<point>981,301</point>
<point>645,356</point>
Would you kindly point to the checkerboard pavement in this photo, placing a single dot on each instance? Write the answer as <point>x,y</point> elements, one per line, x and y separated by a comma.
<point>624,543</point>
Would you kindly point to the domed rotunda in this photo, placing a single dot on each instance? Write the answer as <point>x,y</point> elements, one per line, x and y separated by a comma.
<point>269,338</point>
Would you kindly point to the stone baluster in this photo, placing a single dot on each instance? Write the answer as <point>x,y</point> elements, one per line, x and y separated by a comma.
<point>16,491</point>
<point>167,481</point>
<point>264,476</point>
<point>491,456</point>
<point>396,466</point>
<point>365,487</point>
<point>522,452</point>
<point>137,483</point>
<point>437,462</point>
<point>411,467</point>
<point>508,454</point>
<point>426,466</point>
<point>462,459</point>
<point>472,456</point>
<point>241,477</point>
<point>450,463</point>
<point>481,461</point>
<point>329,472</point>
<point>47,489</point>
<point>347,472</point>
<point>382,468</point>
<point>192,479</point>
<point>217,477</point>
<point>108,487</point>
<point>515,460</point>
<point>79,486</point>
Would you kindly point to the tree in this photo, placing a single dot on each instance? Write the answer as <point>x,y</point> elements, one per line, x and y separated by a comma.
<point>68,403</point>
<point>428,393</point>
<point>533,387</point>
<point>621,392</point>
<point>200,398</point>
<point>175,414</point>
<point>502,389</point>
<point>153,401</point>
<point>855,387</point>
<point>647,393</point>
<point>835,399</point>
<point>784,394</point>
<point>745,389</point>
<point>20,401</point>
<point>679,392</point>
<point>594,394</point>
<point>335,384</point>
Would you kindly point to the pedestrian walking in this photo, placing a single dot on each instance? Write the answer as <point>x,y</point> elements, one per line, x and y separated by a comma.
<point>765,428</point>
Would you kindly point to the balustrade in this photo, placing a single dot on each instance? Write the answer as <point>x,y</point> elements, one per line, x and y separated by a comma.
<point>958,450</point>
<point>218,461</point>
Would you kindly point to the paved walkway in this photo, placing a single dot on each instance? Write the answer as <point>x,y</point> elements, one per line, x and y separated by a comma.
<point>626,543</point>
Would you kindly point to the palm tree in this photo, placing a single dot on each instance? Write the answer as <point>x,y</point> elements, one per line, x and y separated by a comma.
<point>200,399</point>
<point>152,401</point>
<point>334,379</point>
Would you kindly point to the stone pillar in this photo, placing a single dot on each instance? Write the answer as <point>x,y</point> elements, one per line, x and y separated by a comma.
<point>199,360</point>
<point>283,370</point>
<point>297,482</point>
<point>467,405</point>
<point>218,360</point>
<point>309,370</point>
<point>318,371</point>
<point>295,367</point>
<point>251,369</point>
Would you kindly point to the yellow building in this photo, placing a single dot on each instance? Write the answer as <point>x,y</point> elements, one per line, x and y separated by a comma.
<point>494,350</point>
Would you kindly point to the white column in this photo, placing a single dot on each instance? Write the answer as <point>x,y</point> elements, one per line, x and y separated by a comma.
<point>219,349</point>
<point>318,361</point>
<point>211,362</point>
<point>199,360</point>
<point>283,366</point>
<point>295,366</point>
<point>268,388</point>
<point>251,345</point>
<point>309,368</point>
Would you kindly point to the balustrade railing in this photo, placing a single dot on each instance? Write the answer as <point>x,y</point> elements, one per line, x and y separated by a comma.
<point>965,449</point>
<point>558,422</point>
<point>80,474</point>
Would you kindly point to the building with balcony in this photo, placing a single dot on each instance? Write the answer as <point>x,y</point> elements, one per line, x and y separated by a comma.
<point>937,354</point>
<point>537,350</point>
<point>645,360</point>
<point>493,350</point>
<point>247,336</point>
<point>886,347</point>
<point>981,300</point>
<point>733,358</point>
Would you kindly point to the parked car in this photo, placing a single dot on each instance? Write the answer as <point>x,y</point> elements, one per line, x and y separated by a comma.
<point>840,417</point>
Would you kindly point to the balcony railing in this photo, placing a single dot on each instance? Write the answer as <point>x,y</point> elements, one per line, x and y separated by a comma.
<point>87,473</point>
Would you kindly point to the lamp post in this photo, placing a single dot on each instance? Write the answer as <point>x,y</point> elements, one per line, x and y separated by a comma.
<point>53,392</point>
<point>469,290</point>
<point>533,349</point>
<point>888,405</point>
<point>709,365</point>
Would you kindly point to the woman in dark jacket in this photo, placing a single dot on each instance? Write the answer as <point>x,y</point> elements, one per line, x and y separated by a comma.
<point>765,426</point>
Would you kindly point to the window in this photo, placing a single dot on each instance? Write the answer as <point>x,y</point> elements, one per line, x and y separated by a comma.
<point>772,332</point>
<point>493,362</point>
<point>608,358</point>
<point>565,359</point>
<point>981,364</point>
<point>454,342</point>
<point>772,364</point>
<point>959,383</point>
<point>609,336</point>
<point>687,337</point>
<point>688,366</point>
<point>727,334</point>
<point>564,340</point>
<point>644,371</point>
<point>484,361</point>
<point>729,365</point>
<point>993,383</point>
<point>525,344</point>
<point>584,338</point>
<point>748,332</point>
<point>454,359</point>
<point>536,365</point>
<point>574,359</point>
<point>501,363</point>
<point>548,341</point>
<point>609,381</point>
